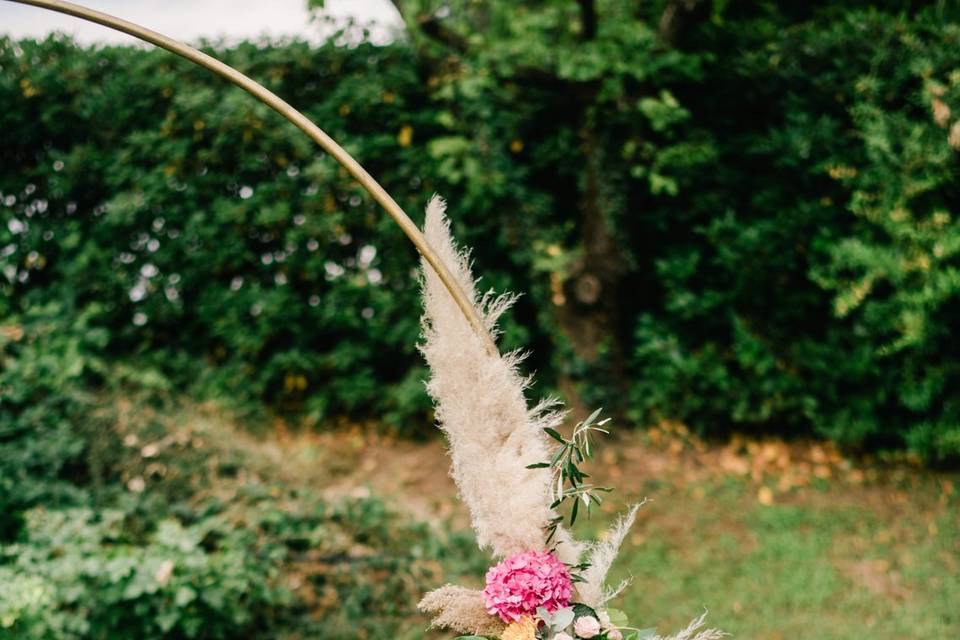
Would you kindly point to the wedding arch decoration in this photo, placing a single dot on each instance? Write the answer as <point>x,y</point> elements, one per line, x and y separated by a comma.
<point>514,469</point>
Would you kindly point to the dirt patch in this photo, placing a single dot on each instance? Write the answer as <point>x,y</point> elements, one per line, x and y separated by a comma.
<point>665,461</point>
<point>877,576</point>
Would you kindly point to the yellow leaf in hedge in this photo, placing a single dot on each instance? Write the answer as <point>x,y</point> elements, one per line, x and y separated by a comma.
<point>516,146</point>
<point>12,332</point>
<point>405,137</point>
<point>28,89</point>
<point>35,261</point>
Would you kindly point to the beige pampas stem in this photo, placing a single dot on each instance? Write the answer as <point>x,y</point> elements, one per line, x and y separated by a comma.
<point>593,591</point>
<point>693,632</point>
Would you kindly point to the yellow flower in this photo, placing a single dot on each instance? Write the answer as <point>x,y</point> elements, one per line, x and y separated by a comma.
<point>523,629</point>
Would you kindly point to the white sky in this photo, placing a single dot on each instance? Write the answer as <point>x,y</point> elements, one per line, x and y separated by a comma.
<point>190,20</point>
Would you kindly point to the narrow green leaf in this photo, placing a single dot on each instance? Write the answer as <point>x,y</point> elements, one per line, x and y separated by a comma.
<point>557,456</point>
<point>593,416</point>
<point>554,434</point>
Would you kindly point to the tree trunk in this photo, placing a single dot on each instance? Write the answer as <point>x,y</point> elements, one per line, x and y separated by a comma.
<point>589,315</point>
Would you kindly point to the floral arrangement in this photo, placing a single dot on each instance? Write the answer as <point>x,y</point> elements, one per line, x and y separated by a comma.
<point>515,471</point>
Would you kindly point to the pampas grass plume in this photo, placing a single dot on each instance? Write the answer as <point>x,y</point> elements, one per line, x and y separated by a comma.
<point>480,405</point>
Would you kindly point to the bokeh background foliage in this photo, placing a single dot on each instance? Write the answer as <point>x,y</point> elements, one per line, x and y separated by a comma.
<point>736,215</point>
<point>749,227</point>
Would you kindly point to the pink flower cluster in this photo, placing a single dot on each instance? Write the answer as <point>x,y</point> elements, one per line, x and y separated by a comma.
<point>525,581</point>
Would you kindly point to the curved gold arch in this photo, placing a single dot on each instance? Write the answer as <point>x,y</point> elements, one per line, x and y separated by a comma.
<point>315,133</point>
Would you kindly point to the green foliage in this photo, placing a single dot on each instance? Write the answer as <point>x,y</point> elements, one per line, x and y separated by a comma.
<point>120,520</point>
<point>78,575</point>
<point>898,277</point>
<point>811,278</point>
<point>371,588</point>
<point>276,564</point>
<point>209,232</point>
<point>46,364</point>
<point>565,469</point>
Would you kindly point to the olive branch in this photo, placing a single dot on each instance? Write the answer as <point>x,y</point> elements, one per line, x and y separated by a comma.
<point>570,482</point>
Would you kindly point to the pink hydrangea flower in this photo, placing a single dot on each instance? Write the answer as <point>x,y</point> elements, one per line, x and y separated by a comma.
<point>525,581</point>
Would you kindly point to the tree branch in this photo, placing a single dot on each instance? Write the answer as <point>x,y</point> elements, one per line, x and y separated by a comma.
<point>674,18</point>
<point>432,27</point>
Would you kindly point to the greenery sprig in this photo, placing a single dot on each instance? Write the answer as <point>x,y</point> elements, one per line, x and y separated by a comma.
<point>570,482</point>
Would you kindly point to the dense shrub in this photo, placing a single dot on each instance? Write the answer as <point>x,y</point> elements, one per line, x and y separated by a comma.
<point>811,277</point>
<point>45,366</point>
<point>78,575</point>
<point>121,520</point>
<point>196,219</point>
<point>280,564</point>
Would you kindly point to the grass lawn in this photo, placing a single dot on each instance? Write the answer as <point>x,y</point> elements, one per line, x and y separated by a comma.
<point>777,540</point>
<point>830,561</point>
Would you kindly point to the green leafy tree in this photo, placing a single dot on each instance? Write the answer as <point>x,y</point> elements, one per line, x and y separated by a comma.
<point>570,95</point>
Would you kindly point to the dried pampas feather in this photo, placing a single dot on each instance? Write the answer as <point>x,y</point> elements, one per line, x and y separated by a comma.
<point>592,590</point>
<point>692,632</point>
<point>462,610</point>
<point>480,405</point>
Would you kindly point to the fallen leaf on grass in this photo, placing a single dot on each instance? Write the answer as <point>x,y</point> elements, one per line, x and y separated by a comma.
<point>765,496</point>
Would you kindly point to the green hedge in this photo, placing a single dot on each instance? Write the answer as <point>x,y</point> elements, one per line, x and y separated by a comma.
<point>782,183</point>
<point>810,278</point>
